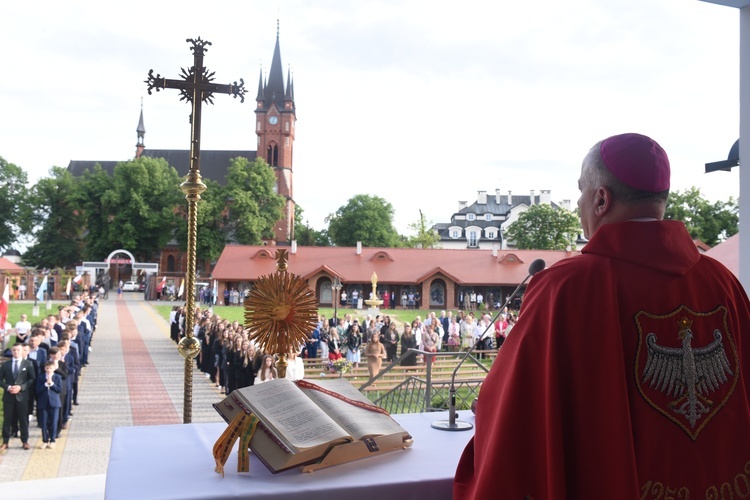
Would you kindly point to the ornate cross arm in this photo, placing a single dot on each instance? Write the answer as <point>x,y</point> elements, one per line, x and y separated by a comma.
<point>186,86</point>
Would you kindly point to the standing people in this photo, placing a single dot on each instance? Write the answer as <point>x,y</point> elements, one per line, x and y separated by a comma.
<point>375,352</point>
<point>267,371</point>
<point>353,343</point>
<point>408,341</point>
<point>48,387</point>
<point>390,339</point>
<point>621,393</point>
<point>334,345</point>
<point>17,378</point>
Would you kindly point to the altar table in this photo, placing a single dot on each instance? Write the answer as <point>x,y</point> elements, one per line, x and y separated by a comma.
<point>176,461</point>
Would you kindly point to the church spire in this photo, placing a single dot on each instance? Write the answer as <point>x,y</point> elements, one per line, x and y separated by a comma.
<point>141,131</point>
<point>274,91</point>
<point>260,85</point>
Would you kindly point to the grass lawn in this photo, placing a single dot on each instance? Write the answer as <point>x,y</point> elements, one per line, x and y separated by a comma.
<point>233,313</point>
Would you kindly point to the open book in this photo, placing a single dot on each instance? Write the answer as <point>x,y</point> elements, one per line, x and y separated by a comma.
<point>301,426</point>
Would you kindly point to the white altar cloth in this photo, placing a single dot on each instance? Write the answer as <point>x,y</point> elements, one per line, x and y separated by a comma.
<point>176,461</point>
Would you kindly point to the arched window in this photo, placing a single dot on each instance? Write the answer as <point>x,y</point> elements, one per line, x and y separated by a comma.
<point>170,264</point>
<point>272,155</point>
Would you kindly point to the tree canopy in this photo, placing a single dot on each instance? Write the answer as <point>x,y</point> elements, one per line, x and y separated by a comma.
<point>12,197</point>
<point>53,220</point>
<point>709,222</point>
<point>306,235</point>
<point>543,227</point>
<point>364,218</point>
<point>425,236</point>
<point>254,207</point>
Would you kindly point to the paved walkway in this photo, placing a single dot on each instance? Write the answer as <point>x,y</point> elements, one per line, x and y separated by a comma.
<point>135,376</point>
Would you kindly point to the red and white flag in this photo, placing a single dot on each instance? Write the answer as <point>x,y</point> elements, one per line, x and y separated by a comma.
<point>77,279</point>
<point>4,304</point>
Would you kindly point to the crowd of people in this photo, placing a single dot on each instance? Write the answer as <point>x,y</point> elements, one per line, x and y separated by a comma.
<point>232,361</point>
<point>42,373</point>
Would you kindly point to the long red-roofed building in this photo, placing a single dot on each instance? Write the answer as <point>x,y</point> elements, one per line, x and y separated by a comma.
<point>440,277</point>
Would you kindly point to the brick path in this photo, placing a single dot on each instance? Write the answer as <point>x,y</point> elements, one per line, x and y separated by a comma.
<point>135,376</point>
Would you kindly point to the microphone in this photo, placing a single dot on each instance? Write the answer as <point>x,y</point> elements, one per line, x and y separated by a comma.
<point>457,425</point>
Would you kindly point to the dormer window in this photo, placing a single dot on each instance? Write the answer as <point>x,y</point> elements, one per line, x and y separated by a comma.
<point>471,216</point>
<point>455,234</point>
<point>488,217</point>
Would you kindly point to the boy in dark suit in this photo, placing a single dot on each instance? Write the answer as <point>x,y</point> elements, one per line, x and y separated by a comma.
<point>17,378</point>
<point>48,387</point>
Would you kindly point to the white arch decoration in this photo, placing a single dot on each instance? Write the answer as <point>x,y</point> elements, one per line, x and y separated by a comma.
<point>93,267</point>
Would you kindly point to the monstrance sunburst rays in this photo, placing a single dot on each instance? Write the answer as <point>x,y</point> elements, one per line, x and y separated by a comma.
<point>280,312</point>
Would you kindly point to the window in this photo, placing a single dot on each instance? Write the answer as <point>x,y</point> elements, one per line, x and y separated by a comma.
<point>471,216</point>
<point>488,217</point>
<point>455,234</point>
<point>272,156</point>
<point>472,237</point>
<point>491,235</point>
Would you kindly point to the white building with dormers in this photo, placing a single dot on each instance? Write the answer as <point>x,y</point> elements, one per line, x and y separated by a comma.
<point>482,224</point>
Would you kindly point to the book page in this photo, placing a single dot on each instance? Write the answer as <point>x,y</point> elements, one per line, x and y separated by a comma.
<point>291,414</point>
<point>358,422</point>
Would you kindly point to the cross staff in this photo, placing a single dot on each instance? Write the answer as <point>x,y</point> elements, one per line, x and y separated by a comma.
<point>196,87</point>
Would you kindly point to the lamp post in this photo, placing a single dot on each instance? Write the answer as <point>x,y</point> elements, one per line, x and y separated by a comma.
<point>336,286</point>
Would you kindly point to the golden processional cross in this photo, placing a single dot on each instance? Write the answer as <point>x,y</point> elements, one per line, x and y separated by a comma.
<point>195,87</point>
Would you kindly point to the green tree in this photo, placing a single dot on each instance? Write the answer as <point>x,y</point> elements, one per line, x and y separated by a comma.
<point>135,208</point>
<point>709,222</point>
<point>425,236</point>
<point>364,218</point>
<point>254,207</point>
<point>12,197</point>
<point>52,219</point>
<point>543,227</point>
<point>306,235</point>
<point>95,216</point>
<point>211,236</point>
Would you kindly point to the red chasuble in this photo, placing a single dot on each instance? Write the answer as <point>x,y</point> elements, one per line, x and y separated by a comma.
<point>623,378</point>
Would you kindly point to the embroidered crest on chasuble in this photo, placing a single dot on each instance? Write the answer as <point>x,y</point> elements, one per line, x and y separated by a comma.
<point>686,365</point>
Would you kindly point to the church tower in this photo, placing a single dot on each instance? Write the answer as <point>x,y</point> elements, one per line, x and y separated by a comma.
<point>275,120</point>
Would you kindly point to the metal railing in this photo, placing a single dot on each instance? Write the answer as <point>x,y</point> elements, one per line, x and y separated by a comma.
<point>417,394</point>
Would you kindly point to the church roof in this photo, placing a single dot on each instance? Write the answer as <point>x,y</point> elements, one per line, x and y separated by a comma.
<point>214,164</point>
<point>392,265</point>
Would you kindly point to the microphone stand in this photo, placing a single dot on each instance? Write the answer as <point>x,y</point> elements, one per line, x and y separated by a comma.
<point>458,425</point>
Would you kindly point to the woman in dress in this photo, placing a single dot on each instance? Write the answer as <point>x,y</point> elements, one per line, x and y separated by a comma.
<point>454,335</point>
<point>267,370</point>
<point>324,338</point>
<point>430,341</point>
<point>375,352</point>
<point>391,342</point>
<point>353,343</point>
<point>408,342</point>
<point>467,332</point>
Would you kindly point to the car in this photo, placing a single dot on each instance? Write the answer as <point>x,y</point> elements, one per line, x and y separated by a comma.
<point>142,287</point>
<point>130,286</point>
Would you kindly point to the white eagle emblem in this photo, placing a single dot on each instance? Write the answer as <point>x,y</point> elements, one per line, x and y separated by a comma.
<point>685,373</point>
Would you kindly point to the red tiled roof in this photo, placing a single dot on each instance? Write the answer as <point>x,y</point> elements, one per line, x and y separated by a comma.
<point>392,265</point>
<point>728,253</point>
<point>10,267</point>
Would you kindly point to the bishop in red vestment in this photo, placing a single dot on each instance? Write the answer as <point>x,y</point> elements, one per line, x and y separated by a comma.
<point>624,377</point>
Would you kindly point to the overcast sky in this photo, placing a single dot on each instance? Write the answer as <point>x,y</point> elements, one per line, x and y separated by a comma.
<point>420,102</point>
